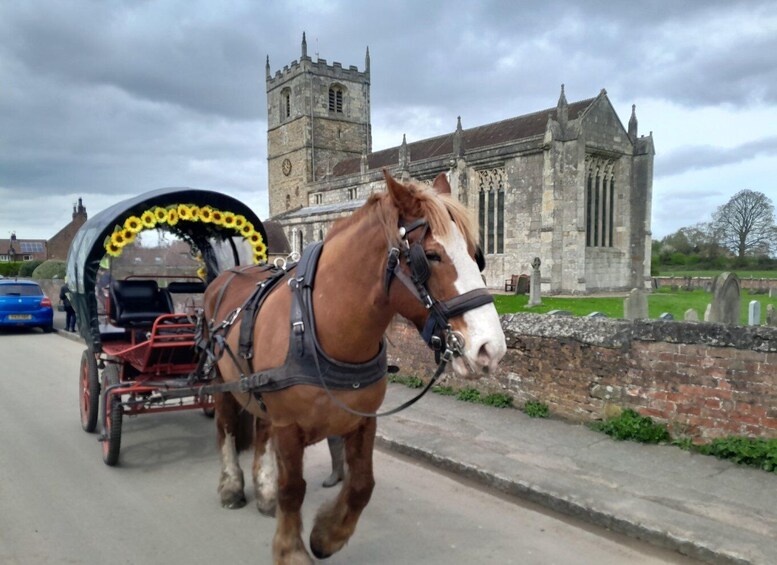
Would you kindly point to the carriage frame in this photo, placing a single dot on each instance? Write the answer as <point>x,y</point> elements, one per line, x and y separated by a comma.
<point>141,354</point>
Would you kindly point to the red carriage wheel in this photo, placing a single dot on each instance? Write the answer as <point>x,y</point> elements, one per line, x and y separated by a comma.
<point>114,412</point>
<point>88,391</point>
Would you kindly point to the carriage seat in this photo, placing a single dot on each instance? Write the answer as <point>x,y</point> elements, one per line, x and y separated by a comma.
<point>138,302</point>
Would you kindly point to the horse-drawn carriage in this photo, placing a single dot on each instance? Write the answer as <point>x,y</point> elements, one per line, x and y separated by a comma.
<point>137,302</point>
<point>297,352</point>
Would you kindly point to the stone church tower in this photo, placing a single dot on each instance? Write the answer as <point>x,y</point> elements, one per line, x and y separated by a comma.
<point>317,116</point>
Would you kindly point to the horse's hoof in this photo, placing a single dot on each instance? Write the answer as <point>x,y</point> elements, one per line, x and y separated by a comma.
<point>234,501</point>
<point>266,509</point>
<point>332,480</point>
<point>318,552</point>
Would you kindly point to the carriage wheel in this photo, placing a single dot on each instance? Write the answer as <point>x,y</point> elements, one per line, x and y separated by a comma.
<point>89,391</point>
<point>113,419</point>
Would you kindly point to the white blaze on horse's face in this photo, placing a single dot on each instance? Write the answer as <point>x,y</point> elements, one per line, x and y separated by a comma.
<point>485,340</point>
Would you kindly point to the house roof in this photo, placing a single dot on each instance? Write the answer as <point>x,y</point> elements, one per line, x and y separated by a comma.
<point>496,133</point>
<point>23,246</point>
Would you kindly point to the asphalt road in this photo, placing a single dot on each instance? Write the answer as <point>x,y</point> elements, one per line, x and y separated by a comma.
<point>59,504</point>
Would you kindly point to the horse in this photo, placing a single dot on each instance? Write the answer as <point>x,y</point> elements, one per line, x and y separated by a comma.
<point>409,250</point>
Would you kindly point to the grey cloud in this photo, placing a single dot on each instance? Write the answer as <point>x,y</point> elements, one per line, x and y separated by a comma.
<point>705,156</point>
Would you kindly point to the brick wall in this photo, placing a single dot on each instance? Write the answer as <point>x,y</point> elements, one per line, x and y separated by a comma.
<point>705,380</point>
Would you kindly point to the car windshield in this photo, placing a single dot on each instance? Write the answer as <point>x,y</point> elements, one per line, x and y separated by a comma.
<point>20,290</point>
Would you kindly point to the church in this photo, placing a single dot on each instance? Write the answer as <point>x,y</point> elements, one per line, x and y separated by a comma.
<point>569,185</point>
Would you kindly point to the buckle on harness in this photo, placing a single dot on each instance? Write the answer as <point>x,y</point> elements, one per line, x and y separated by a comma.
<point>298,327</point>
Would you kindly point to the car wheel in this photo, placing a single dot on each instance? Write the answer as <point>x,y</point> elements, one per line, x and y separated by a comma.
<point>47,329</point>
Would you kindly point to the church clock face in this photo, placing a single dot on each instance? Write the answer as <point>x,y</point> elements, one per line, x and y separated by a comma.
<point>286,167</point>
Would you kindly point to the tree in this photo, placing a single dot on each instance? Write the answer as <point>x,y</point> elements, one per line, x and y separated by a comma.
<point>745,224</point>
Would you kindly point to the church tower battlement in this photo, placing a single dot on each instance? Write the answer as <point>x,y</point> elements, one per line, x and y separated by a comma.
<point>317,115</point>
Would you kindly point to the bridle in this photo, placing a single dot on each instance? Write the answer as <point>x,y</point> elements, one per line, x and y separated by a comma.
<point>437,331</point>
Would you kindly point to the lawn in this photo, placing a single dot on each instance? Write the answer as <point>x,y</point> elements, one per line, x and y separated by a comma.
<point>663,300</point>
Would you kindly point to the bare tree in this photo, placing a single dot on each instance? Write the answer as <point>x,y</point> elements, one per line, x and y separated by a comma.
<point>745,224</point>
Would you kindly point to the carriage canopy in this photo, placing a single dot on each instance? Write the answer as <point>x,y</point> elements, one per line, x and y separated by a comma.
<point>203,218</point>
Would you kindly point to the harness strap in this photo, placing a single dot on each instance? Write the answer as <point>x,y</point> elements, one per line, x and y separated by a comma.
<point>251,310</point>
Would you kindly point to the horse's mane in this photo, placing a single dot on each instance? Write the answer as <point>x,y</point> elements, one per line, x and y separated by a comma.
<point>437,209</point>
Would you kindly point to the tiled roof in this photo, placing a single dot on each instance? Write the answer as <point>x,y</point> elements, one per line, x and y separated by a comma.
<point>512,129</point>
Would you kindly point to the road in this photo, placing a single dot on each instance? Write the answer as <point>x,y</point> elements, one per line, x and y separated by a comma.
<point>59,504</point>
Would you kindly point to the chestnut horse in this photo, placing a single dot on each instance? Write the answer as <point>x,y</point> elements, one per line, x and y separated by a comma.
<point>356,295</point>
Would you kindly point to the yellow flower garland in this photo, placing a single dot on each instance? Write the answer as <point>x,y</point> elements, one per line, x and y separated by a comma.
<point>125,234</point>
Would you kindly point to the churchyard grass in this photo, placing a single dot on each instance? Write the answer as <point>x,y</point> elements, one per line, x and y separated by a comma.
<point>663,300</point>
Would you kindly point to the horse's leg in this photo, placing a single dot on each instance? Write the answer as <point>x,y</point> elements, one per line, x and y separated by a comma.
<point>336,520</point>
<point>287,545</point>
<point>337,452</point>
<point>230,423</point>
<point>265,470</point>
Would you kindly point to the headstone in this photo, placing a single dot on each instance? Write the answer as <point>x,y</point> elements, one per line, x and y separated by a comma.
<point>560,313</point>
<point>596,315</point>
<point>691,315</point>
<point>522,286</point>
<point>707,312</point>
<point>754,313</point>
<point>725,299</point>
<point>635,306</point>
<point>666,316</point>
<point>773,292</point>
<point>534,290</point>
<point>771,315</point>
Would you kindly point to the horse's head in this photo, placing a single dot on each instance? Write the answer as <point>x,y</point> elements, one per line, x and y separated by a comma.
<point>434,254</point>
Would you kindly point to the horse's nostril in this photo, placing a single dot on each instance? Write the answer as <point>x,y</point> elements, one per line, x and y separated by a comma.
<point>484,356</point>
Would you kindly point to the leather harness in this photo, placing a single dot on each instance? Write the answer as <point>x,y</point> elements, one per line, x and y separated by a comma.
<point>305,362</point>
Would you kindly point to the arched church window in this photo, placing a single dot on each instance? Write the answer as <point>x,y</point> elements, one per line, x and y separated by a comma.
<point>491,209</point>
<point>288,201</point>
<point>285,103</point>
<point>336,99</point>
<point>599,202</point>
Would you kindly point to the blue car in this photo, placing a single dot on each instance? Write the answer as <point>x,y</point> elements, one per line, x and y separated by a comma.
<point>23,304</point>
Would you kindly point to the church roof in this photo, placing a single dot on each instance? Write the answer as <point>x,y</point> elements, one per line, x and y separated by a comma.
<point>347,206</point>
<point>511,129</point>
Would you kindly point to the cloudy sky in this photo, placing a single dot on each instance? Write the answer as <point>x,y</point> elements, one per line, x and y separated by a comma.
<point>106,99</point>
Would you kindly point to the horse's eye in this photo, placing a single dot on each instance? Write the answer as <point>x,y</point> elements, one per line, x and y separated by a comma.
<point>432,256</point>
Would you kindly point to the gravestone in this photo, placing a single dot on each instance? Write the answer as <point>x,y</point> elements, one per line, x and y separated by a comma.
<point>635,306</point>
<point>771,315</point>
<point>560,313</point>
<point>691,315</point>
<point>666,316</point>
<point>522,286</point>
<point>707,312</point>
<point>773,292</point>
<point>725,299</point>
<point>754,313</point>
<point>596,315</point>
<point>534,290</point>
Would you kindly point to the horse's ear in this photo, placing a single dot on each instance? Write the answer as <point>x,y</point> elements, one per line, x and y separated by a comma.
<point>441,184</point>
<point>400,193</point>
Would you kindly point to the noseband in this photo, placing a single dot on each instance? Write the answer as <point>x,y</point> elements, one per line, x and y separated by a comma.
<point>437,332</point>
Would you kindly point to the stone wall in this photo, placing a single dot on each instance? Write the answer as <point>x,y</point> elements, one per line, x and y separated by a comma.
<point>692,283</point>
<point>705,380</point>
